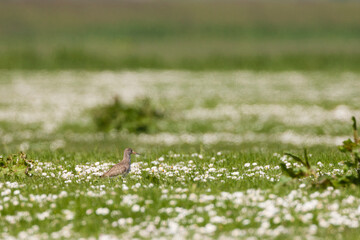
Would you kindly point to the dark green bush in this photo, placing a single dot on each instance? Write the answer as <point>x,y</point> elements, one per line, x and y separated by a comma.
<point>136,118</point>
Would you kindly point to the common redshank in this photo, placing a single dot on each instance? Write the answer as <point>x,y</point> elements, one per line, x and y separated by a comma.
<point>123,167</point>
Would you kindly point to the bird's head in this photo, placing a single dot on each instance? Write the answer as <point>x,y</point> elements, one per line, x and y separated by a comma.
<point>129,151</point>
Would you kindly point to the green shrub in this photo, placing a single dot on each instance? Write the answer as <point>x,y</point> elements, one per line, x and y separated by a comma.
<point>137,118</point>
<point>16,164</point>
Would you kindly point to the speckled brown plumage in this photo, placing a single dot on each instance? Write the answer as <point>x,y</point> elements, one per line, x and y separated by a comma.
<point>123,167</point>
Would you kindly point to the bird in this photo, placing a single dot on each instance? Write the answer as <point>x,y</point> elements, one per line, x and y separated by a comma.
<point>123,167</point>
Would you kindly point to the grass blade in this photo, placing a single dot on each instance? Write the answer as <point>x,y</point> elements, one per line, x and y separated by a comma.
<point>296,158</point>
<point>356,140</point>
<point>306,159</point>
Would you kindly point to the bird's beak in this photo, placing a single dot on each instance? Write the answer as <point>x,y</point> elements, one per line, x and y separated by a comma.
<point>136,153</point>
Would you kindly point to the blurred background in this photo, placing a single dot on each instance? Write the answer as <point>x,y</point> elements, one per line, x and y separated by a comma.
<point>216,74</point>
<point>259,35</point>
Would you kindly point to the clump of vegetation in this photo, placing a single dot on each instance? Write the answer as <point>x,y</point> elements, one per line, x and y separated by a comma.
<point>16,164</point>
<point>304,171</point>
<point>349,174</point>
<point>352,147</point>
<point>137,118</point>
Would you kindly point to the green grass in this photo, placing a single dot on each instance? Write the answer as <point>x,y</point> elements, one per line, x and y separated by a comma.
<point>210,170</point>
<point>181,192</point>
<point>262,35</point>
<point>195,177</point>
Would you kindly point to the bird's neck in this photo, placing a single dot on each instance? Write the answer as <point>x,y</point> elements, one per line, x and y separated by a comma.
<point>127,158</point>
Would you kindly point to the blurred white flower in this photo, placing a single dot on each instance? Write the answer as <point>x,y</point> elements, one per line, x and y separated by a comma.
<point>102,211</point>
<point>135,208</point>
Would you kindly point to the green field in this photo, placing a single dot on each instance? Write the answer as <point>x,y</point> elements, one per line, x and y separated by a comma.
<point>211,170</point>
<point>258,35</point>
<point>213,94</point>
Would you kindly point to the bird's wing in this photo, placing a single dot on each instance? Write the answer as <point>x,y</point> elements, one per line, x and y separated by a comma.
<point>115,170</point>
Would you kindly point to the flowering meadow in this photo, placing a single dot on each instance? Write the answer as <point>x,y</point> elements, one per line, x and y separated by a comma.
<point>212,171</point>
<point>177,196</point>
